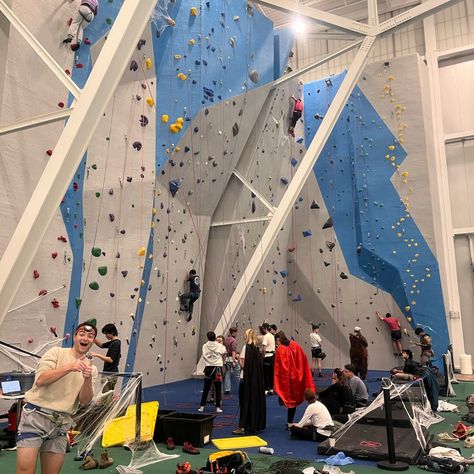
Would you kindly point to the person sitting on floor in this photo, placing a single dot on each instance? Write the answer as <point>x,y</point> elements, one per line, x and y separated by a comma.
<point>338,397</point>
<point>359,390</point>
<point>315,421</point>
<point>409,371</point>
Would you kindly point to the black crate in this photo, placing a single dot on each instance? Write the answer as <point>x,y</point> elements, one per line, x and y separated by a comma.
<point>190,427</point>
<point>159,434</point>
<point>26,380</point>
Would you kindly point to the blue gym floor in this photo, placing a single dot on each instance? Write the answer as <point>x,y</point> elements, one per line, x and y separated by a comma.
<point>185,396</point>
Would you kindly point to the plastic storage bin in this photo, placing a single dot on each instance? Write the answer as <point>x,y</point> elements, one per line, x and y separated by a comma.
<point>159,435</point>
<point>190,427</point>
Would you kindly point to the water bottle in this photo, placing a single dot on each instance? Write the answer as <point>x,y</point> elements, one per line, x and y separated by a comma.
<point>266,450</point>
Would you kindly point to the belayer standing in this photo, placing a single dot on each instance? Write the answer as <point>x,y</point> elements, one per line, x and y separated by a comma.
<point>187,299</point>
<point>86,12</point>
<point>297,113</point>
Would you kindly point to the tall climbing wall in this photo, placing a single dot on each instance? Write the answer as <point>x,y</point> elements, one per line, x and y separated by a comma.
<point>360,235</point>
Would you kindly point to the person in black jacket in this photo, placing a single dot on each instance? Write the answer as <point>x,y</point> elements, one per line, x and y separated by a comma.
<point>410,369</point>
<point>112,358</point>
<point>338,397</point>
<point>187,299</point>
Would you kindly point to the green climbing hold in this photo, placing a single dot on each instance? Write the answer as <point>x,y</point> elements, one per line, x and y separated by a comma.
<point>97,194</point>
<point>93,285</point>
<point>94,166</point>
<point>102,271</point>
<point>78,302</point>
<point>92,322</point>
<point>109,21</point>
<point>96,251</point>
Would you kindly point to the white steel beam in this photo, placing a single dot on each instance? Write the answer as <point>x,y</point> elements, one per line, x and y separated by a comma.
<point>241,221</point>
<point>35,121</point>
<point>463,231</point>
<point>71,146</point>
<point>318,16</point>
<point>315,64</point>
<point>39,49</point>
<point>257,194</point>
<point>463,136</point>
<point>426,8</point>
<point>373,13</point>
<point>294,188</point>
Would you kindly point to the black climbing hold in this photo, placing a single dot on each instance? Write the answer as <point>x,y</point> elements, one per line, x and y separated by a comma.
<point>328,224</point>
<point>314,205</point>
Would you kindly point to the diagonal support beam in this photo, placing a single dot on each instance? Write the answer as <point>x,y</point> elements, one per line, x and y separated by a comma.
<point>35,121</point>
<point>71,146</point>
<point>426,8</point>
<point>318,16</point>
<point>315,64</point>
<point>39,49</point>
<point>294,188</point>
<point>257,194</point>
<point>241,221</point>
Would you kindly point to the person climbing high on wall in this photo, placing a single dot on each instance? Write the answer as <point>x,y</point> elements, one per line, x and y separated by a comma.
<point>297,112</point>
<point>187,299</point>
<point>86,12</point>
<point>395,331</point>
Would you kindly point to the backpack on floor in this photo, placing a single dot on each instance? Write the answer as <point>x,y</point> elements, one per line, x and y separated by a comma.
<point>229,462</point>
<point>470,406</point>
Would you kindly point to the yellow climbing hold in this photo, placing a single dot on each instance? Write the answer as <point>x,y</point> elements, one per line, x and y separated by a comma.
<point>164,118</point>
<point>150,101</point>
<point>148,63</point>
<point>194,11</point>
<point>191,42</point>
<point>141,251</point>
<point>177,149</point>
<point>407,308</point>
<point>182,76</point>
<point>154,211</point>
<point>391,147</point>
<point>174,128</point>
<point>177,57</point>
<point>405,174</point>
<point>180,120</point>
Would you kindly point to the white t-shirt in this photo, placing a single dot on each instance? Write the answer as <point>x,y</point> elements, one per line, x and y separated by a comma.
<point>315,340</point>
<point>242,356</point>
<point>318,415</point>
<point>212,352</point>
<point>269,343</point>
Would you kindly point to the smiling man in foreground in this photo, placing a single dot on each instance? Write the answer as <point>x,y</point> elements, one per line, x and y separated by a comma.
<point>64,380</point>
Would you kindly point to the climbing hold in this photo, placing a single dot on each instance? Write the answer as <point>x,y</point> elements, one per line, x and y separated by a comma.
<point>35,274</point>
<point>54,254</point>
<point>96,251</point>
<point>140,43</point>
<point>326,264</point>
<point>343,276</point>
<point>141,251</point>
<point>124,273</point>
<point>111,217</point>
<point>314,205</point>
<point>253,74</point>
<point>297,298</point>
<point>307,233</point>
<point>55,303</point>
<point>330,245</point>
<point>137,146</point>
<point>294,162</point>
<point>235,129</point>
<point>291,249</point>
<point>93,285</point>
<point>78,302</point>
<point>61,104</point>
<point>284,273</point>
<point>181,76</point>
<point>43,292</point>
<point>174,185</point>
<point>174,128</point>
<point>102,271</point>
<point>148,63</point>
<point>284,181</point>
<point>143,121</point>
<point>191,42</point>
<point>150,101</point>
<point>49,152</point>
<point>328,224</point>
<point>194,11</point>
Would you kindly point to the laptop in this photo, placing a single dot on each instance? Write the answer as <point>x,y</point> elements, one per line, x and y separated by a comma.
<point>11,388</point>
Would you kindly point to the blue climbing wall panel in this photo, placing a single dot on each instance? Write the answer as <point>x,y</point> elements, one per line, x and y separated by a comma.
<point>379,239</point>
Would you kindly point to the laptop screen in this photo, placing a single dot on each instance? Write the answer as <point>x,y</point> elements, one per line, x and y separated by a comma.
<point>13,386</point>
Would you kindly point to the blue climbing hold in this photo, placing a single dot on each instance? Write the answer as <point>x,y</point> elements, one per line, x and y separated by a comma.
<point>174,185</point>
<point>307,233</point>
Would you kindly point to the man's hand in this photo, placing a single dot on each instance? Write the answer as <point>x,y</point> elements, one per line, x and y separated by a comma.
<point>80,365</point>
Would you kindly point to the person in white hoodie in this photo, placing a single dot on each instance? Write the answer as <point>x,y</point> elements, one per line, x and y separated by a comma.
<point>213,354</point>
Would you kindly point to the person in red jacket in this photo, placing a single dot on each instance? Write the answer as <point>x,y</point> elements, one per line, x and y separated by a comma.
<point>395,331</point>
<point>297,113</point>
<point>292,374</point>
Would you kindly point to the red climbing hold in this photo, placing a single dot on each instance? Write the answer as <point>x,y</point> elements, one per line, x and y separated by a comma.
<point>291,249</point>
<point>75,186</point>
<point>67,71</point>
<point>49,152</point>
<point>30,340</point>
<point>62,238</point>
<point>55,303</point>
<point>69,22</point>
<point>36,274</point>
<point>54,254</point>
<point>79,65</point>
<point>61,104</point>
<point>43,292</point>
<point>87,41</point>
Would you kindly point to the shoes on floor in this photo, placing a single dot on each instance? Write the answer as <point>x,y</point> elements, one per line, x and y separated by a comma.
<point>170,443</point>
<point>218,410</point>
<point>448,437</point>
<point>238,431</point>
<point>189,448</point>
<point>105,460</point>
<point>469,442</point>
<point>89,464</point>
<point>82,456</point>
<point>201,409</point>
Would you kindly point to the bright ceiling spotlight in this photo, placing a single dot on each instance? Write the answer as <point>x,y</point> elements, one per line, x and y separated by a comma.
<point>298,25</point>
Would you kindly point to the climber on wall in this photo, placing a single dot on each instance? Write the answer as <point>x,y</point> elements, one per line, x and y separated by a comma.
<point>187,299</point>
<point>86,12</point>
<point>297,113</point>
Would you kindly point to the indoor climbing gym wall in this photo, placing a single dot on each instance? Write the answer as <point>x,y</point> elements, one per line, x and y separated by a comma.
<point>189,160</point>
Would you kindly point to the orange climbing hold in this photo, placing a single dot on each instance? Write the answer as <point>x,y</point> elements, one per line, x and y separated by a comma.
<point>194,11</point>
